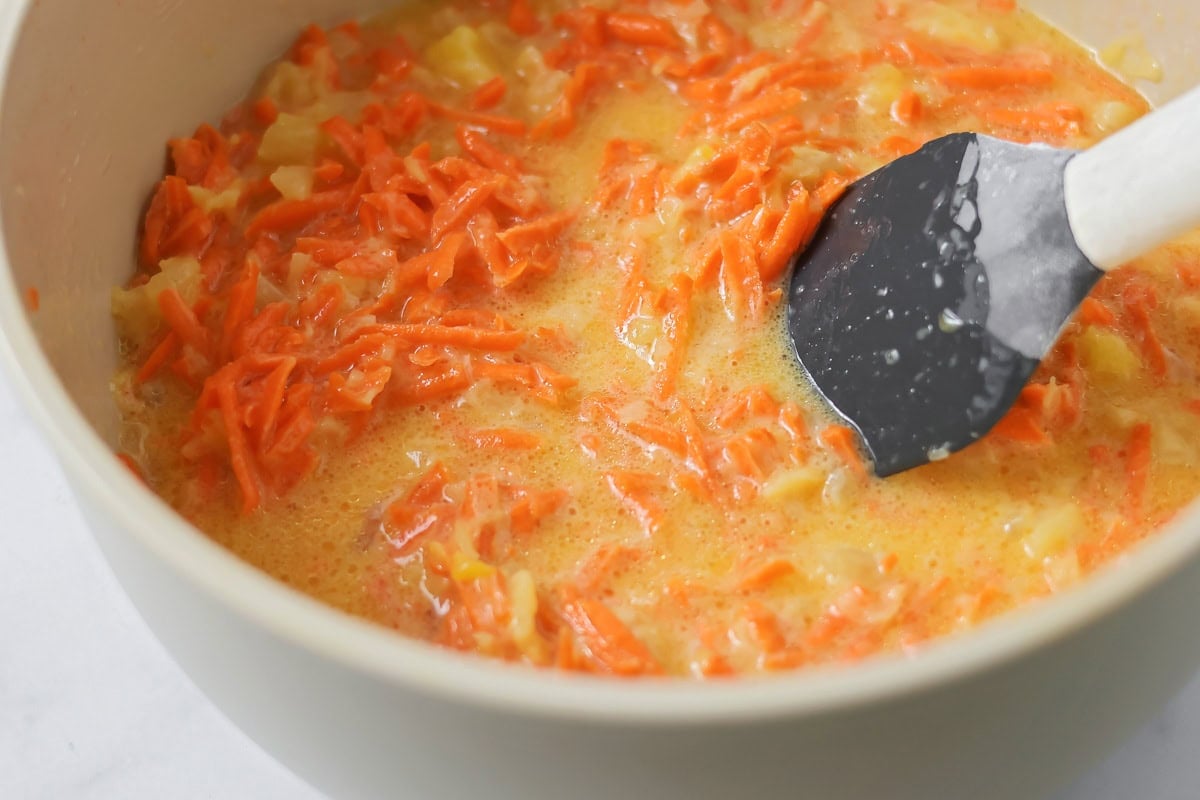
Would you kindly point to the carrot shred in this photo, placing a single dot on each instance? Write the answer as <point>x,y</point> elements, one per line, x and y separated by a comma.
<point>159,356</point>
<point>507,126</point>
<point>843,441</point>
<point>607,643</point>
<point>643,30</point>
<point>636,491</point>
<point>766,575</point>
<point>793,232</point>
<point>489,94</point>
<point>1093,312</point>
<point>505,439</point>
<point>284,216</point>
<point>1020,424</point>
<point>1138,457</point>
<point>906,110</point>
<point>182,320</point>
<point>521,18</point>
<point>488,155</point>
<point>993,78</point>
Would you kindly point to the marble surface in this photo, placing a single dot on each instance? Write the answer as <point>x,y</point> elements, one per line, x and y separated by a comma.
<point>92,708</point>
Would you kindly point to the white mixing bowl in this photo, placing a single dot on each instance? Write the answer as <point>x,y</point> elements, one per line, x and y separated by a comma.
<point>91,90</point>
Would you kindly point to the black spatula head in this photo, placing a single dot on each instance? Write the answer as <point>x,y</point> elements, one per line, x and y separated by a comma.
<point>931,291</point>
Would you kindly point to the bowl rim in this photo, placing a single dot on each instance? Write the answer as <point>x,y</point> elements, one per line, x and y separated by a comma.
<point>404,663</point>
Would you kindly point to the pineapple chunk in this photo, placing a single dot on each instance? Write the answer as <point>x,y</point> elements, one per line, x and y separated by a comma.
<point>772,34</point>
<point>1062,571</point>
<point>1129,57</point>
<point>781,33</point>
<point>464,569</point>
<point>523,598</point>
<point>291,86</point>
<point>136,310</point>
<point>211,201</point>
<point>1187,309</point>
<point>808,165</point>
<point>1112,115</point>
<point>883,86</point>
<point>799,482</point>
<point>293,182</point>
<point>542,85</point>
<point>953,26</point>
<point>1107,357</point>
<point>463,57</point>
<point>290,140</point>
<point>1054,532</point>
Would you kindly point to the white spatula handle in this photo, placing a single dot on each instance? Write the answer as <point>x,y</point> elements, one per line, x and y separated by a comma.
<point>1138,188</point>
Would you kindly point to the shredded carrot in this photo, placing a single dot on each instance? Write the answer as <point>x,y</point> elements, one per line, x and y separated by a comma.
<point>158,358</point>
<point>765,628</point>
<point>284,216</point>
<point>33,298</point>
<point>561,119</point>
<point>506,439</point>
<point>637,492</point>
<point>1093,312</point>
<point>1138,456</point>
<point>1140,300</point>
<point>605,562</point>
<point>843,441</point>
<point>1021,424</point>
<point>643,30</point>
<point>606,642</point>
<point>907,108</point>
<point>766,575</point>
<point>508,126</point>
<point>488,155</point>
<point>521,18</point>
<point>265,111</point>
<point>993,78</point>
<point>490,93</point>
<point>792,233</point>
<point>182,320</point>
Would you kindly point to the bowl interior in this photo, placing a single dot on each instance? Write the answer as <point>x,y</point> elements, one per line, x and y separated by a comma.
<point>91,93</point>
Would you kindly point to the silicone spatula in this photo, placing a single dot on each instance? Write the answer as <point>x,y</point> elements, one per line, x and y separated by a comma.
<point>935,285</point>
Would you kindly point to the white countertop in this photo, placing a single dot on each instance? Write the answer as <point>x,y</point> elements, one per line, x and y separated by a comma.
<point>92,708</point>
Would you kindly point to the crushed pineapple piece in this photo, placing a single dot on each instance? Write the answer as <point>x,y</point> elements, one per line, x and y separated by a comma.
<point>1187,308</point>
<point>1129,57</point>
<point>210,201</point>
<point>463,568</point>
<point>290,140</point>
<point>954,26</point>
<point>809,164</point>
<point>293,182</point>
<point>1054,532</point>
<point>523,597</point>
<point>136,310</point>
<point>1113,115</point>
<point>799,482</point>
<point>464,57</point>
<point>883,85</point>
<point>291,86</point>
<point>541,85</point>
<point>1106,356</point>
